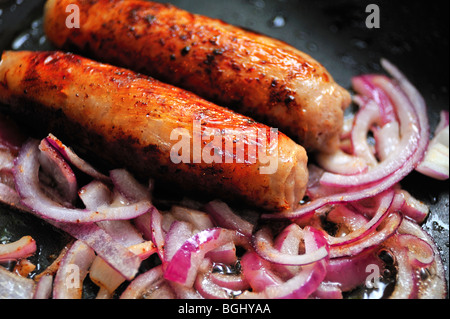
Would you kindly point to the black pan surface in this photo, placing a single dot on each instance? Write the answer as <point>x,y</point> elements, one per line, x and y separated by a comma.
<point>412,34</point>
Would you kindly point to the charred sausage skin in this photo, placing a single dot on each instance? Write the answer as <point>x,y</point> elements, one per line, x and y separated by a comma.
<point>127,119</point>
<point>255,75</point>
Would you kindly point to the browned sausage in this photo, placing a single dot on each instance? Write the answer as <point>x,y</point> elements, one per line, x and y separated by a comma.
<point>129,120</point>
<point>255,75</point>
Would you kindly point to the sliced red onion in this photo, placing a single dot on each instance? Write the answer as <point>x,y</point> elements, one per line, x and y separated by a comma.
<point>75,160</point>
<point>184,264</point>
<point>289,241</point>
<point>387,140</point>
<point>13,286</point>
<point>6,160</point>
<point>224,217</point>
<point>115,254</point>
<point>122,231</point>
<point>257,272</point>
<point>128,186</point>
<point>72,271</point>
<point>58,169</point>
<point>350,272</point>
<point>388,228</point>
<point>156,232</point>
<point>27,184</point>
<point>95,194</point>
<point>365,87</point>
<point>177,235</point>
<point>360,233</point>
<point>225,254</point>
<point>413,208</point>
<point>367,116</point>
<point>436,161</point>
<point>263,244</point>
<point>410,134</point>
<point>10,197</point>
<point>349,218</point>
<point>433,286</point>
<point>353,194</point>
<point>235,282</point>
<point>328,290</point>
<point>183,292</point>
<point>44,288</point>
<point>147,285</point>
<point>22,248</point>
<point>343,163</point>
<point>200,220</point>
<point>304,283</point>
<point>107,278</point>
<point>420,253</point>
<point>443,122</point>
<point>209,289</point>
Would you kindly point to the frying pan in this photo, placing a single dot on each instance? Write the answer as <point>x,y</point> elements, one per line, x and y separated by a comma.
<point>411,34</point>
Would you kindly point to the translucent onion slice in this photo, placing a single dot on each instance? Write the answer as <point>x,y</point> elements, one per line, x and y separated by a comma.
<point>72,158</point>
<point>72,271</point>
<point>28,185</point>
<point>387,228</point>
<point>44,287</point>
<point>149,285</point>
<point>13,286</point>
<point>303,284</point>
<point>59,171</point>
<point>183,266</point>
<point>263,244</point>
<point>382,211</point>
<point>22,248</point>
<point>410,135</point>
<point>224,217</point>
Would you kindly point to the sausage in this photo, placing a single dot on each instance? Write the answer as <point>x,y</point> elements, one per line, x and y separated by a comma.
<point>129,120</point>
<point>250,73</point>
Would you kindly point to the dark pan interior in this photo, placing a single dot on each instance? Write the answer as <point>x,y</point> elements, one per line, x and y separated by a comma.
<point>413,35</point>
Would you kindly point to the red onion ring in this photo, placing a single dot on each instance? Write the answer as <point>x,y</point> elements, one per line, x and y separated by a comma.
<point>71,157</point>
<point>13,286</point>
<point>410,135</point>
<point>224,217</point>
<point>350,272</point>
<point>53,163</point>
<point>115,254</point>
<point>26,175</point>
<point>382,211</point>
<point>328,290</point>
<point>257,272</point>
<point>44,288</point>
<point>365,87</point>
<point>225,254</point>
<point>367,116</point>
<point>388,227</point>
<point>303,284</point>
<point>235,282</point>
<point>408,284</point>
<point>150,284</point>
<point>341,162</point>
<point>72,271</point>
<point>22,248</point>
<point>183,266</point>
<point>209,289</point>
<point>263,244</point>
